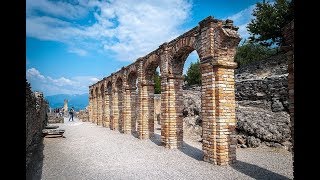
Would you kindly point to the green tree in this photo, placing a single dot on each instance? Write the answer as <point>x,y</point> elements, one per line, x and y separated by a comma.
<point>270,18</point>
<point>157,83</point>
<point>193,75</point>
<point>249,52</point>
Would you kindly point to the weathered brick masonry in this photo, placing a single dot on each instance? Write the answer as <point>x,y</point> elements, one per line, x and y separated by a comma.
<point>125,99</point>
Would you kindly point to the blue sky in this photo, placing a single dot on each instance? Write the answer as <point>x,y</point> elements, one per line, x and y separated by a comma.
<point>71,44</point>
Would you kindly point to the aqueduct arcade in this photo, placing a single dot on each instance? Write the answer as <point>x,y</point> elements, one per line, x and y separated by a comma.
<point>124,100</point>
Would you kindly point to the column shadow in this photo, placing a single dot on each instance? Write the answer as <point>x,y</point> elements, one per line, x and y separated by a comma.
<point>255,171</point>
<point>192,152</point>
<point>187,149</point>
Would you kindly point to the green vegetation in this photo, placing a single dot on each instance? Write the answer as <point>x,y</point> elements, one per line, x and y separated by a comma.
<point>193,75</point>
<point>250,52</point>
<point>157,83</point>
<point>270,18</point>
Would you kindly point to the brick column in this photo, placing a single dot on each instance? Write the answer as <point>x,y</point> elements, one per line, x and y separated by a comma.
<point>218,111</point>
<point>102,108</point>
<point>90,108</point>
<point>94,109</point>
<point>144,129</point>
<point>121,110</point>
<point>115,111</point>
<point>127,111</point>
<point>171,111</point>
<point>98,109</point>
<point>150,107</point>
<point>107,109</point>
<point>133,107</point>
<point>111,97</point>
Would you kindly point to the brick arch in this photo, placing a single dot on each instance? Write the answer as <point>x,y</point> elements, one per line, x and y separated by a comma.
<point>215,42</point>
<point>225,40</point>
<point>150,64</point>
<point>119,84</point>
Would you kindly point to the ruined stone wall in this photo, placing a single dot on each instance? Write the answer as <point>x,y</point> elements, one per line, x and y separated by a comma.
<point>36,119</point>
<point>264,84</point>
<point>83,115</point>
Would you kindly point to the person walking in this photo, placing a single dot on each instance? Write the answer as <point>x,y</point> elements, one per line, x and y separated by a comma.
<point>71,112</point>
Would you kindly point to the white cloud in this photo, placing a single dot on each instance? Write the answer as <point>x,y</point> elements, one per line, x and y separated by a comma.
<point>71,9</point>
<point>34,73</point>
<point>241,19</point>
<point>61,85</point>
<point>129,29</point>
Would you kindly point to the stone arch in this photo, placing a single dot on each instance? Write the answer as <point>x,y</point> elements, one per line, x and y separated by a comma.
<point>215,42</point>
<point>149,67</point>
<point>175,55</point>
<point>146,93</point>
<point>132,88</point>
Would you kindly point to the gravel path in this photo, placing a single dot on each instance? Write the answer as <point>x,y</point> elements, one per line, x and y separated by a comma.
<point>93,152</point>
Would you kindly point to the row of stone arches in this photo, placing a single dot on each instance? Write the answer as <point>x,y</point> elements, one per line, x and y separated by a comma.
<point>124,100</point>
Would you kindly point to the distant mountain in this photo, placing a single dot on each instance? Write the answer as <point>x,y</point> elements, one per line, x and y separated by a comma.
<point>78,101</point>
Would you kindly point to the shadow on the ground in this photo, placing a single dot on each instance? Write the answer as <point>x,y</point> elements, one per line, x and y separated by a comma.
<point>34,169</point>
<point>156,139</point>
<point>187,149</point>
<point>191,151</point>
<point>255,171</point>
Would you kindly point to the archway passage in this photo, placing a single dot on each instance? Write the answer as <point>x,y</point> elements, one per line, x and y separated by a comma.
<point>131,92</point>
<point>215,42</point>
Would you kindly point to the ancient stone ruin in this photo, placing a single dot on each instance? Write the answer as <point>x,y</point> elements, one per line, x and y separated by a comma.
<point>127,96</point>
<point>36,120</point>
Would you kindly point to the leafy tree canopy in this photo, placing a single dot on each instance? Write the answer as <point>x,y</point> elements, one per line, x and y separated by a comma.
<point>269,20</point>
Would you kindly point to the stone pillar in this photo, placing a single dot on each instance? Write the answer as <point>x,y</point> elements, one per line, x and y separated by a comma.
<point>102,108</point>
<point>121,110</point>
<point>171,111</point>
<point>107,110</point>
<point>111,124</point>
<point>150,107</point>
<point>98,109</point>
<point>94,120</point>
<point>115,111</point>
<point>218,111</point>
<point>144,131</point>
<point>90,107</point>
<point>127,111</point>
<point>133,107</point>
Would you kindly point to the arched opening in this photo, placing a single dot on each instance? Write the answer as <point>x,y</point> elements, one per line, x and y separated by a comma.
<point>109,116</point>
<point>172,122</point>
<point>147,120</point>
<point>132,114</point>
<point>119,91</point>
<point>91,106</point>
<point>102,105</point>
